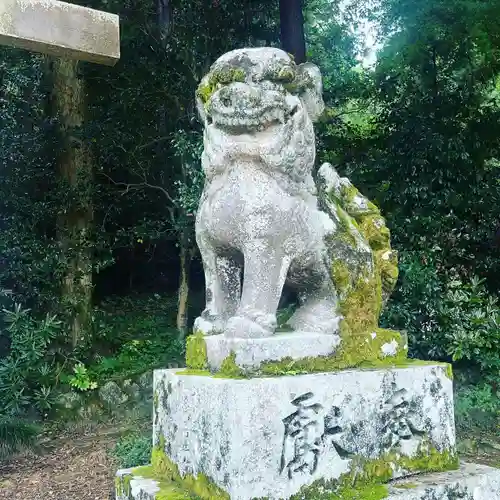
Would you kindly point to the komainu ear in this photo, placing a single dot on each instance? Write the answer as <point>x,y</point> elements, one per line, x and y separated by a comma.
<point>312,96</point>
<point>200,106</point>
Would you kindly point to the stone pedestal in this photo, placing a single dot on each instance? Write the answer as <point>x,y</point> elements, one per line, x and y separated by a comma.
<point>251,353</point>
<point>270,437</point>
<point>376,433</point>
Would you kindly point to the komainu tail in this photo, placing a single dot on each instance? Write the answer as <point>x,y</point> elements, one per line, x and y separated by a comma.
<point>363,266</point>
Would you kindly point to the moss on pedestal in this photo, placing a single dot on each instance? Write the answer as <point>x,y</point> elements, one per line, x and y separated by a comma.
<point>367,479</point>
<point>229,368</point>
<point>122,485</point>
<point>376,348</point>
<point>196,352</point>
<point>172,486</point>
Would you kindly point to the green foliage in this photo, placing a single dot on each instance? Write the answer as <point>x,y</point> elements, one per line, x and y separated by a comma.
<point>446,316</point>
<point>477,409</point>
<point>437,130</point>
<point>134,334</point>
<point>138,356</point>
<point>133,450</point>
<point>28,377</point>
<point>29,373</point>
<point>119,320</point>
<point>15,435</point>
<point>80,379</point>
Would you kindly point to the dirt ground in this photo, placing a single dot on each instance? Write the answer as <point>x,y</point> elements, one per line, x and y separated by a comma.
<point>64,468</point>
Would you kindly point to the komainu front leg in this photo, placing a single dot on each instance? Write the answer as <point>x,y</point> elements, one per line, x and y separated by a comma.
<point>265,273</point>
<point>222,285</point>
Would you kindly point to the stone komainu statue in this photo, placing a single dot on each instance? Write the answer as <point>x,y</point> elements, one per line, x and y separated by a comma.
<point>261,207</point>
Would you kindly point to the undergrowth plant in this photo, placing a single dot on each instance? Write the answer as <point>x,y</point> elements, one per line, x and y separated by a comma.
<point>447,317</point>
<point>133,450</point>
<point>28,376</point>
<point>477,409</point>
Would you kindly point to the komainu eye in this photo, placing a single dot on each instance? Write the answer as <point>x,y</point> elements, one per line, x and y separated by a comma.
<point>285,75</point>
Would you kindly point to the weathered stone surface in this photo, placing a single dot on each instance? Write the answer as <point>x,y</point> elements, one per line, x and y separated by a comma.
<point>60,29</point>
<point>145,381</point>
<point>111,395</point>
<point>251,353</point>
<point>261,206</point>
<point>268,437</point>
<point>471,482</point>
<point>70,400</point>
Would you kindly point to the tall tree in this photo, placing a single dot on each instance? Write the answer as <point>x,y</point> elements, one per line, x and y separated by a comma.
<point>76,181</point>
<point>292,29</point>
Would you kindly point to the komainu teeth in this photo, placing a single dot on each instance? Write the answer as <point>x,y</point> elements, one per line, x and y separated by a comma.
<point>258,122</point>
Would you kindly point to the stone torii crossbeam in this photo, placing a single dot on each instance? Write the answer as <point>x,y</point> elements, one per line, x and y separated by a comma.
<point>61,29</point>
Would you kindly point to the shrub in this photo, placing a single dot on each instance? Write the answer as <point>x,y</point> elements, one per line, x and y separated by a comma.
<point>416,306</point>
<point>477,408</point>
<point>28,374</point>
<point>133,450</point>
<point>134,334</point>
<point>446,317</point>
<point>15,434</point>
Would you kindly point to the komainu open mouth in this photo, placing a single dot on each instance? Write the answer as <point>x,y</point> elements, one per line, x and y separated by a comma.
<point>243,123</point>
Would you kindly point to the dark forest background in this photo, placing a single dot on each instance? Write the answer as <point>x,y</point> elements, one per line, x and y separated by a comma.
<point>100,179</point>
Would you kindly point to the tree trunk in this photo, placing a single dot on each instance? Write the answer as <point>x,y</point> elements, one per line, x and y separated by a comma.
<point>76,181</point>
<point>292,29</point>
<point>186,254</point>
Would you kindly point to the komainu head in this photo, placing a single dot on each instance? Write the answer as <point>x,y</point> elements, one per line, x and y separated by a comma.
<point>257,103</point>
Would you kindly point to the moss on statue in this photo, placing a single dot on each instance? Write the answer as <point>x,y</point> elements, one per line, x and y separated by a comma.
<point>345,232</point>
<point>216,78</point>
<point>375,231</point>
<point>360,304</point>
<point>300,83</point>
<point>364,284</point>
<point>348,193</point>
<point>340,275</point>
<point>196,352</point>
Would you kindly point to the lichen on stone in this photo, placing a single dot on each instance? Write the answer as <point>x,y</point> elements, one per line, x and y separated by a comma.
<point>196,352</point>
